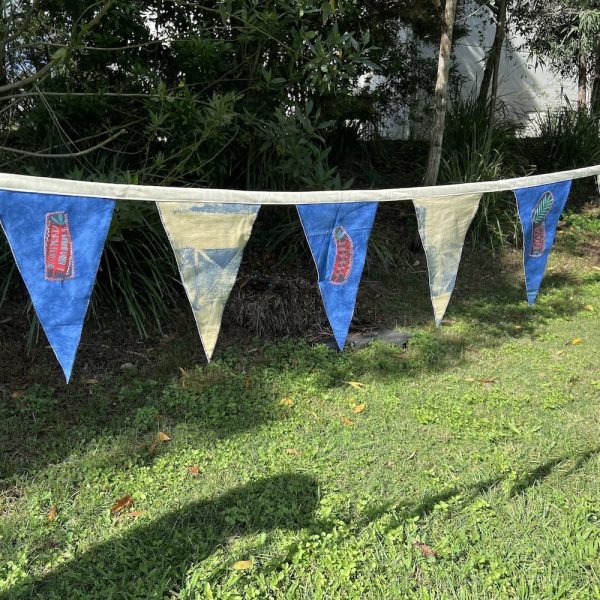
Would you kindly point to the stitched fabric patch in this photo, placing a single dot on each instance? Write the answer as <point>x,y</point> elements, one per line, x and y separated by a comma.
<point>208,241</point>
<point>443,224</point>
<point>58,247</point>
<point>338,236</point>
<point>539,211</point>
<point>49,235</point>
<point>344,256</point>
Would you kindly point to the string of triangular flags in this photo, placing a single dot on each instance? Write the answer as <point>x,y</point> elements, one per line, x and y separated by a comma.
<point>57,241</point>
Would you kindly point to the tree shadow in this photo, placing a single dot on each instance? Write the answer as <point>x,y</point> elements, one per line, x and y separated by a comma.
<point>426,505</point>
<point>151,560</point>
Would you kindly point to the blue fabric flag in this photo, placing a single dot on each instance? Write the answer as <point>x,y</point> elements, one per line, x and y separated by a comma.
<point>338,236</point>
<point>57,243</point>
<point>539,210</point>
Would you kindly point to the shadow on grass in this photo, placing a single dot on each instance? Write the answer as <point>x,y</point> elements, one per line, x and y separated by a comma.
<point>44,423</point>
<point>150,561</point>
<point>469,493</point>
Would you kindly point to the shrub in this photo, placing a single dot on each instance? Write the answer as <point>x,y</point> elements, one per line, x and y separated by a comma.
<point>473,153</point>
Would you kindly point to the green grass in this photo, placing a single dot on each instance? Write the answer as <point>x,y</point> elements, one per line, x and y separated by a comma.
<point>479,441</point>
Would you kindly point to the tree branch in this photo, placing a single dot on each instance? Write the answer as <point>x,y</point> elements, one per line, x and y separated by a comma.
<point>60,55</point>
<point>68,154</point>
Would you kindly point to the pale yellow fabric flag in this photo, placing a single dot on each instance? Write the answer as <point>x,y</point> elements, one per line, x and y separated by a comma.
<point>443,224</point>
<point>208,241</point>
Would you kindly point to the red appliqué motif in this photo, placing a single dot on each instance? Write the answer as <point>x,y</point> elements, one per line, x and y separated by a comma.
<point>58,248</point>
<point>344,255</point>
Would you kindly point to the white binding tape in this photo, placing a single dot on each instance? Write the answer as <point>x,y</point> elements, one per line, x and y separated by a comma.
<point>119,191</point>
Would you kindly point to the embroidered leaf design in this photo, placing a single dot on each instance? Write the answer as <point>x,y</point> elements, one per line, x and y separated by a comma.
<point>543,207</point>
<point>344,254</point>
<point>58,247</point>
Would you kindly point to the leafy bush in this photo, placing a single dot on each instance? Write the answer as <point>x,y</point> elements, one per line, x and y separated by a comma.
<point>473,153</point>
<point>219,94</point>
<point>568,139</point>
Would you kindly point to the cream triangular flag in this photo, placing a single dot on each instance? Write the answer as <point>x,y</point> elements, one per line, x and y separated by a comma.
<point>443,224</point>
<point>208,241</point>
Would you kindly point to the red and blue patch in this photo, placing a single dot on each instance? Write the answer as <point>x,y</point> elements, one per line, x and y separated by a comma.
<point>58,248</point>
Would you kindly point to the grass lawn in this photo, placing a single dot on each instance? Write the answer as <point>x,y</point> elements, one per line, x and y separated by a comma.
<point>464,466</point>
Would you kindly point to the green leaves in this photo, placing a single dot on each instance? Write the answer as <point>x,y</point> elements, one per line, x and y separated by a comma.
<point>542,208</point>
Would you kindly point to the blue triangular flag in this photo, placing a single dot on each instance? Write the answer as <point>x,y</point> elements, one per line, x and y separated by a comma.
<point>539,210</point>
<point>57,243</point>
<point>338,236</point>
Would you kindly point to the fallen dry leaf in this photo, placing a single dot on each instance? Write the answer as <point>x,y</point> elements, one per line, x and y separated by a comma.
<point>347,421</point>
<point>90,381</point>
<point>519,327</point>
<point>287,402</point>
<point>470,379</point>
<point>52,513</point>
<point>576,342</point>
<point>589,308</point>
<point>121,504</point>
<point>242,565</point>
<point>487,380</point>
<point>167,339</point>
<point>160,438</point>
<point>292,451</point>
<point>357,385</point>
<point>359,408</point>
<point>194,471</point>
<point>135,514</point>
<point>426,550</point>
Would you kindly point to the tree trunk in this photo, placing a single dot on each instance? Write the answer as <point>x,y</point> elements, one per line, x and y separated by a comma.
<point>441,95</point>
<point>595,97</point>
<point>582,84</point>
<point>484,89</point>
<point>498,43</point>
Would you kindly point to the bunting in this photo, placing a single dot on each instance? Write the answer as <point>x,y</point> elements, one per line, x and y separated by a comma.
<point>338,236</point>
<point>539,211</point>
<point>57,229</point>
<point>443,223</point>
<point>57,243</point>
<point>208,241</point>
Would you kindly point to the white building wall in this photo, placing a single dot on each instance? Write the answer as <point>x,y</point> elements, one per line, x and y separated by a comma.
<point>525,88</point>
